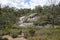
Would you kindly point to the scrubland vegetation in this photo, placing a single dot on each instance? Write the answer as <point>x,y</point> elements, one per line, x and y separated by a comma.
<point>9,18</point>
<point>35,33</point>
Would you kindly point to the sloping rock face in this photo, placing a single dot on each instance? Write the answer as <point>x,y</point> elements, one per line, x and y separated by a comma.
<point>26,25</point>
<point>29,21</point>
<point>33,19</point>
<point>25,21</point>
<point>21,19</point>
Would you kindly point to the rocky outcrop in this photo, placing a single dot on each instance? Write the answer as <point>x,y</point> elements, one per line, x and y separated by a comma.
<point>29,20</point>
<point>33,19</point>
<point>26,25</point>
<point>25,21</point>
<point>21,19</point>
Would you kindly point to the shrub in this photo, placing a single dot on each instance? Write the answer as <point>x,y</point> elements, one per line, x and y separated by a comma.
<point>20,32</point>
<point>32,32</point>
<point>5,39</point>
<point>2,33</point>
<point>26,35</point>
<point>1,38</point>
<point>14,35</point>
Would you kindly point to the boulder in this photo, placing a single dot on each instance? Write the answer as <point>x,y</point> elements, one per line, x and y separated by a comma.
<point>26,25</point>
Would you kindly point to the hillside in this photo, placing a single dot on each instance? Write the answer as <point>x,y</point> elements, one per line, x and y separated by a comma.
<point>39,23</point>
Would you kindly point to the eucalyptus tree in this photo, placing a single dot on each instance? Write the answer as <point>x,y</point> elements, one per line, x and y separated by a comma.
<point>52,4</point>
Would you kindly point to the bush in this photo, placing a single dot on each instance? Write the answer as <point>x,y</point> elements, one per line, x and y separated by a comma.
<point>20,32</point>
<point>14,36</point>
<point>2,33</point>
<point>5,39</point>
<point>1,38</point>
<point>26,35</point>
<point>32,32</point>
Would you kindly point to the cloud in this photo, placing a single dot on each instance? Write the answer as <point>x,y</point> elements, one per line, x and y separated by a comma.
<point>25,3</point>
<point>12,3</point>
<point>34,3</point>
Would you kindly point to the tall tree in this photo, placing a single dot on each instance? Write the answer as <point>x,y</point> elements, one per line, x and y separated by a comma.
<point>52,3</point>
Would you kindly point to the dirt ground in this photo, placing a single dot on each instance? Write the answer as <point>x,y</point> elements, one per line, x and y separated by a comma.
<point>10,38</point>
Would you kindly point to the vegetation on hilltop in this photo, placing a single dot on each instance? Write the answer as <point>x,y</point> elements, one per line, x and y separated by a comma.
<point>10,16</point>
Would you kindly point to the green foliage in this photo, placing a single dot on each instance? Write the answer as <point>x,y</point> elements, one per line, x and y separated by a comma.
<point>43,34</point>
<point>38,9</point>
<point>1,38</point>
<point>32,32</point>
<point>14,35</point>
<point>5,39</point>
<point>41,21</point>
<point>48,14</point>
<point>20,32</point>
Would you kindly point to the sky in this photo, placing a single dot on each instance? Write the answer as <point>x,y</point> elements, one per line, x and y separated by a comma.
<point>26,3</point>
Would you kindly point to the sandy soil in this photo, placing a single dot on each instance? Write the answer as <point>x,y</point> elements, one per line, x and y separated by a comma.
<point>10,38</point>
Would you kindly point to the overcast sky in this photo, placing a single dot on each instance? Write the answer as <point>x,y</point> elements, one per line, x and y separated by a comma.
<point>25,3</point>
